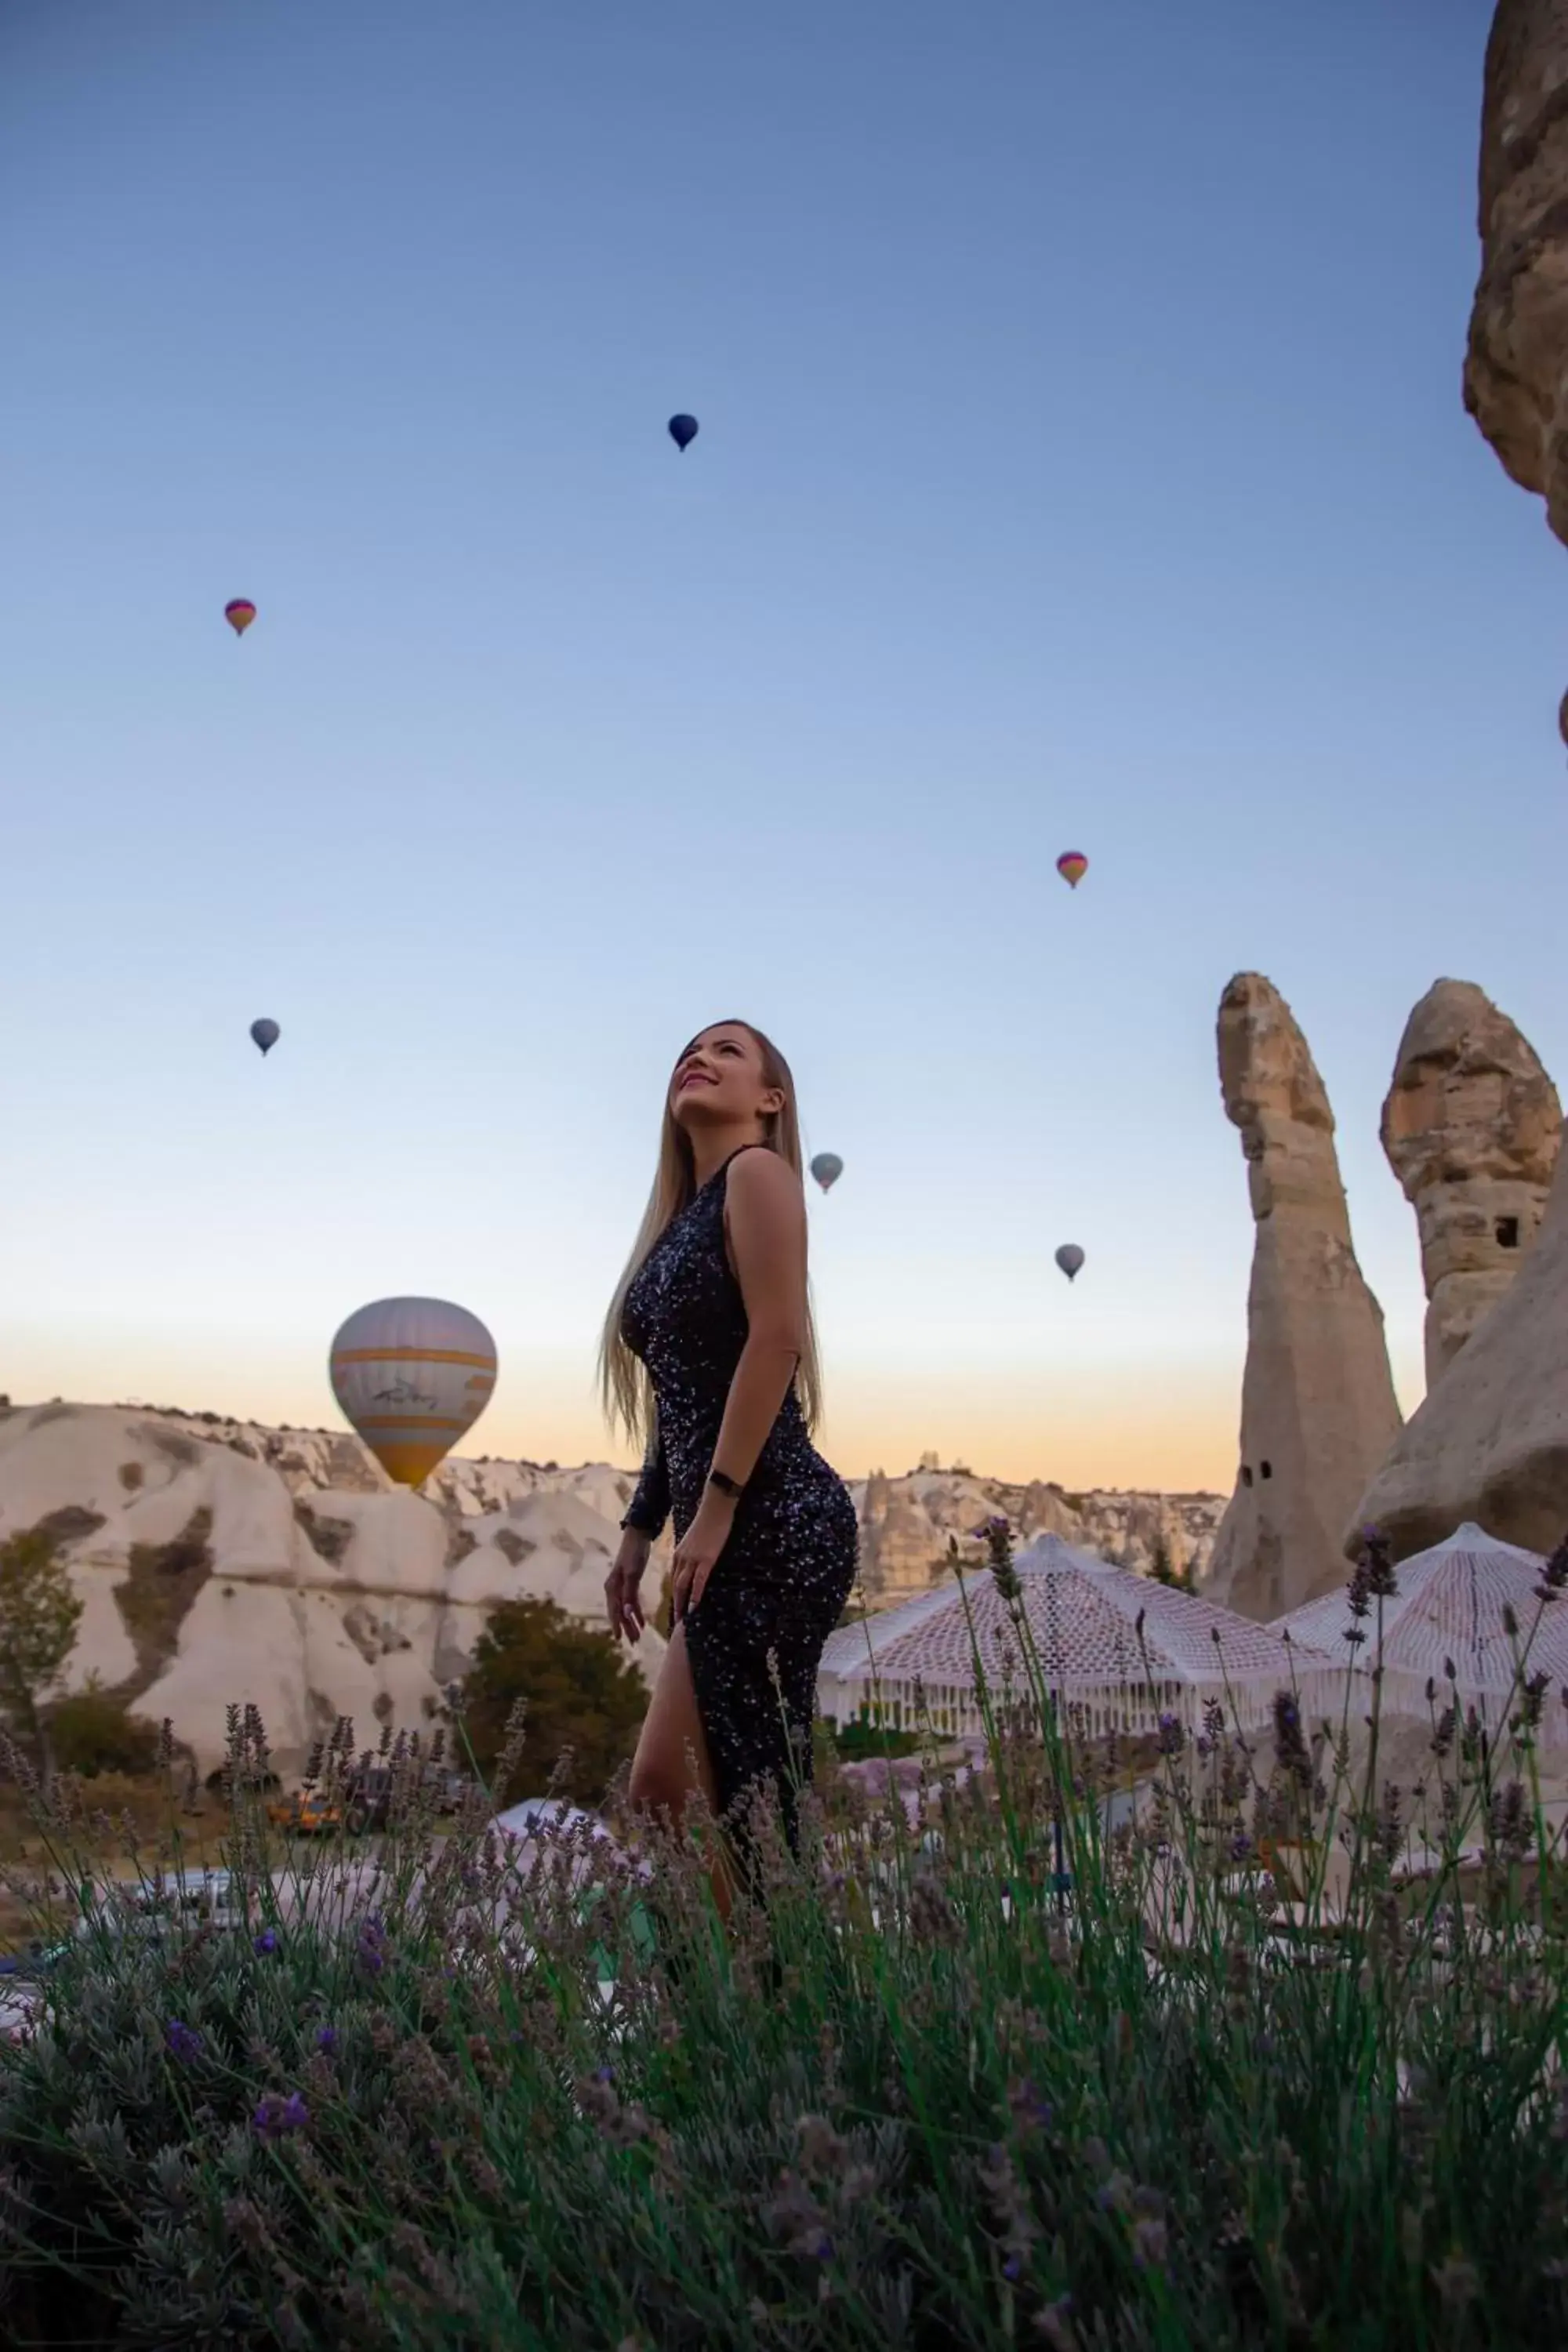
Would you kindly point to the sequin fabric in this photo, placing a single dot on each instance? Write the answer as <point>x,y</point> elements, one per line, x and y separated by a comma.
<point>780,1584</point>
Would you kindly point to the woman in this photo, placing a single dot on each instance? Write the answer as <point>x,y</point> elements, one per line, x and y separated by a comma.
<point>708,1355</point>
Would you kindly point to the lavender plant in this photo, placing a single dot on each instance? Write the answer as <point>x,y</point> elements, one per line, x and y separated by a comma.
<point>1238,2073</point>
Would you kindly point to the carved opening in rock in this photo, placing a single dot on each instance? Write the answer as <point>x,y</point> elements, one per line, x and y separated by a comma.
<point>1266,1469</point>
<point>1246,1475</point>
<point>1506,1230</point>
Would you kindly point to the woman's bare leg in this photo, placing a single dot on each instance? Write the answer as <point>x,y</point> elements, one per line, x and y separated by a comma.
<point>672,1757</point>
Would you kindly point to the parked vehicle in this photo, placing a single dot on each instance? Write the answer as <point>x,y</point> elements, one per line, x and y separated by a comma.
<point>151,1907</point>
<point>306,1814</point>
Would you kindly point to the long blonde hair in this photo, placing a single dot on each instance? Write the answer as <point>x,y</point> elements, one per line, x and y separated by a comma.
<point>624,1384</point>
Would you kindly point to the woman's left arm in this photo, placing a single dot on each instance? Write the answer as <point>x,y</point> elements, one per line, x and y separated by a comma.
<point>766,1221</point>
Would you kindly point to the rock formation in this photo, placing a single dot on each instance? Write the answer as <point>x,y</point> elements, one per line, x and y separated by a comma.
<point>1471,1127</point>
<point>220,1561</point>
<point>1515,375</point>
<point>1490,1442</point>
<point>906,1525</point>
<point>1318,1408</point>
<point>1516,366</point>
<point>210,1575</point>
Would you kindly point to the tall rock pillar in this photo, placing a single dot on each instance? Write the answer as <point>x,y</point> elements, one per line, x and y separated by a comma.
<point>1516,365</point>
<point>1318,1408</point>
<point>1491,1441</point>
<point>1471,1127</point>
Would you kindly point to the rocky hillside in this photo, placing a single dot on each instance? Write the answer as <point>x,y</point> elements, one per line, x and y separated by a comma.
<point>221,1561</point>
<point>908,1523</point>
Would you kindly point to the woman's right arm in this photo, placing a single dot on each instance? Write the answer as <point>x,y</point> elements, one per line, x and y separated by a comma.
<point>649,1506</point>
<point>643,1524</point>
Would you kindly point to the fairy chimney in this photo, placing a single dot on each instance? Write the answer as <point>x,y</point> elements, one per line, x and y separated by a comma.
<point>1516,363</point>
<point>1318,1408</point>
<point>1491,1441</point>
<point>1471,1127</point>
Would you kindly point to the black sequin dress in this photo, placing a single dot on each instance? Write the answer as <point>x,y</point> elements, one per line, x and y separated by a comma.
<point>780,1584</point>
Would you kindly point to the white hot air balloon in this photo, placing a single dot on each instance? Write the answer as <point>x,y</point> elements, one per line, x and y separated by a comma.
<point>411,1376</point>
<point>1069,1258</point>
<point>827,1167</point>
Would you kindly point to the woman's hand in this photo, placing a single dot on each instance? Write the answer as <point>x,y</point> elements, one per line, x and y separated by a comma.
<point>699,1550</point>
<point>621,1597</point>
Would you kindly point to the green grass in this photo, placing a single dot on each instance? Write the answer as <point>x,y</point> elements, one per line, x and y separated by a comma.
<point>892,2110</point>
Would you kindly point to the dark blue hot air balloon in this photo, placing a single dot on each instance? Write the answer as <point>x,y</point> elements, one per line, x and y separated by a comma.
<point>683,431</point>
<point>266,1034</point>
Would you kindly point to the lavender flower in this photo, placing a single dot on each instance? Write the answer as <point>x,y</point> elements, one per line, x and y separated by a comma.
<point>371,1949</point>
<point>1290,1747</point>
<point>266,1943</point>
<point>1053,2325</point>
<point>181,2042</point>
<point>277,2116</point>
<point>327,2039</point>
<point>1031,2110</point>
<point>1170,1733</point>
<point>999,1554</point>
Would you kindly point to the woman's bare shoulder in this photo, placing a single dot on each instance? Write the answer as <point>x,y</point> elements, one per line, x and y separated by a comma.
<point>761,1176</point>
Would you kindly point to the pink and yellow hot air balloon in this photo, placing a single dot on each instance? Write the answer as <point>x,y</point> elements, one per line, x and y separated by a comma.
<point>240,613</point>
<point>1072,866</point>
<point>412,1375</point>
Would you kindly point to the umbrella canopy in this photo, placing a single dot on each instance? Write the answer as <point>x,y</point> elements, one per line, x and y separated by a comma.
<point>1082,1616</point>
<point>1449,1607</point>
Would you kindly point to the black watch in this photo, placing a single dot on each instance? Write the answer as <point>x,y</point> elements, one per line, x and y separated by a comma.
<point>733,1487</point>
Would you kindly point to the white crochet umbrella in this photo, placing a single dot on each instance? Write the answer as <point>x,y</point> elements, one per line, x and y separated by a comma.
<point>1082,1615</point>
<point>1449,1606</point>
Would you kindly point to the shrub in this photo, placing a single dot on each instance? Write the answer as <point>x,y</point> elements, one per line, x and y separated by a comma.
<point>855,1740</point>
<point>92,1733</point>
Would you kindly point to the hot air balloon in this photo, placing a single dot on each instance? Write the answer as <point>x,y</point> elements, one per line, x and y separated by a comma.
<point>683,431</point>
<point>827,1167</point>
<point>266,1034</point>
<point>240,613</point>
<point>1072,866</point>
<point>1069,1258</point>
<point>412,1375</point>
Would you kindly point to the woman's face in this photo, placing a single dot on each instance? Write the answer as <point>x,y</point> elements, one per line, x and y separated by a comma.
<point>718,1079</point>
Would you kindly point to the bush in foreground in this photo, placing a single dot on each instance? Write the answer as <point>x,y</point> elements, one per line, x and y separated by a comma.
<point>1153,2108</point>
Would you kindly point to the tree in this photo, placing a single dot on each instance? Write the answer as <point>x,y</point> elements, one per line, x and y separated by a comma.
<point>1163,1572</point>
<point>38,1617</point>
<point>580,1692</point>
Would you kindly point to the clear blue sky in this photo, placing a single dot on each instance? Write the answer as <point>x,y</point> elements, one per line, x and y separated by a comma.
<point>1082,464</point>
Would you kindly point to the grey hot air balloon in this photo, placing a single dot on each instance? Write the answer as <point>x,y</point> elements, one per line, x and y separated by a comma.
<point>266,1034</point>
<point>1069,1258</point>
<point>827,1167</point>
